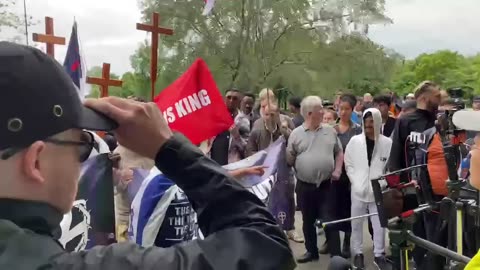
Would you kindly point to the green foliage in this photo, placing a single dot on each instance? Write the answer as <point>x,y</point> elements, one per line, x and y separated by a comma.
<point>447,68</point>
<point>297,47</point>
<point>301,45</point>
<point>355,63</point>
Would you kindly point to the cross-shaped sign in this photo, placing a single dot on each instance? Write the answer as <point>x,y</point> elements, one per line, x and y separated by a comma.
<point>105,81</point>
<point>282,216</point>
<point>49,37</point>
<point>156,30</point>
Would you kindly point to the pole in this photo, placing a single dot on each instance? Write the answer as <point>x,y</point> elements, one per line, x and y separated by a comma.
<point>26,20</point>
<point>444,252</point>
<point>324,224</point>
<point>154,64</point>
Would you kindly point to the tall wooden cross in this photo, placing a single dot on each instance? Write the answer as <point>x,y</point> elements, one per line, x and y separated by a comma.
<point>156,30</point>
<point>105,81</point>
<point>49,37</point>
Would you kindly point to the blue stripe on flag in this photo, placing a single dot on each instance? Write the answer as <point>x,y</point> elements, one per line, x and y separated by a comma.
<point>151,196</point>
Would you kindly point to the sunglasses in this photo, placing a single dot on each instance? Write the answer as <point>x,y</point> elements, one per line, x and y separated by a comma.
<point>85,146</point>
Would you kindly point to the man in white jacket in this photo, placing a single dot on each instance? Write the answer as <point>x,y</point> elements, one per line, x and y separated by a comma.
<point>366,156</point>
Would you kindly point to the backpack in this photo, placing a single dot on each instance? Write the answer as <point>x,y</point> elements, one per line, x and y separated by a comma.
<point>431,153</point>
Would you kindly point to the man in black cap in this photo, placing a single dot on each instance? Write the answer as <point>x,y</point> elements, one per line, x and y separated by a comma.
<point>42,143</point>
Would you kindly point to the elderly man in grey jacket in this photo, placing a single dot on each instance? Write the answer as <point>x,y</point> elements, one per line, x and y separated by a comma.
<point>316,154</point>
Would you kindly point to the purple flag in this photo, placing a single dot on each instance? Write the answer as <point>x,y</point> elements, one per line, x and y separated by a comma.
<point>92,219</point>
<point>282,202</point>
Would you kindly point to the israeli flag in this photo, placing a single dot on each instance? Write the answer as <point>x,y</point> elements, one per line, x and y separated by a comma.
<point>161,214</point>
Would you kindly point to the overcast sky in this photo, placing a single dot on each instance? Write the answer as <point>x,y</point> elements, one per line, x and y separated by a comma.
<point>107,27</point>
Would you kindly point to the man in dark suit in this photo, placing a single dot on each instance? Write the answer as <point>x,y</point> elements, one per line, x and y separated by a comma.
<point>294,107</point>
<point>382,103</point>
<point>229,146</point>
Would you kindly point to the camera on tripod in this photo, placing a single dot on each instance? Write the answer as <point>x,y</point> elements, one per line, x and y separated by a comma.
<point>456,95</point>
<point>445,120</point>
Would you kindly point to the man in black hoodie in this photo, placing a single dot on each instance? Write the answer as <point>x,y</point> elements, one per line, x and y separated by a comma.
<point>42,145</point>
<point>428,98</point>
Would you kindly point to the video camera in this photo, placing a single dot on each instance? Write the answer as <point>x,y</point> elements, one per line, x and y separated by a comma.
<point>446,125</point>
<point>456,94</point>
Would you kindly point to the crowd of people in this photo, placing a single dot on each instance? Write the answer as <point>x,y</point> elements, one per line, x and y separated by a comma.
<point>334,150</point>
<point>329,175</point>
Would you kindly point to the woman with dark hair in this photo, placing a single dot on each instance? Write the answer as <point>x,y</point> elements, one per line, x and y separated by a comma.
<point>346,129</point>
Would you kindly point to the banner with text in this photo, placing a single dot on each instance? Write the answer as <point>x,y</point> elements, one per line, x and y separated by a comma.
<point>160,214</point>
<point>193,105</point>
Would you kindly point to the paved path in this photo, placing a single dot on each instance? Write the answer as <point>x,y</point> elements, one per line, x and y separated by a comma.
<point>322,264</point>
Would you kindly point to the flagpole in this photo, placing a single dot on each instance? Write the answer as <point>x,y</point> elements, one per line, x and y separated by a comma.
<point>84,86</point>
<point>26,20</point>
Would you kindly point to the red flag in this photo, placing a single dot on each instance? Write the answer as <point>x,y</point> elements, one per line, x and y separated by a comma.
<point>192,105</point>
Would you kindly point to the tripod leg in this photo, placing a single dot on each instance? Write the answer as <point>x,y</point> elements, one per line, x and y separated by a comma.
<point>452,230</point>
<point>405,263</point>
<point>400,260</point>
<point>459,231</point>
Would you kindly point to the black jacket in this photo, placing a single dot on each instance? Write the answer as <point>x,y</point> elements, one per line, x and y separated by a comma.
<point>220,146</point>
<point>389,126</point>
<point>418,121</point>
<point>240,232</point>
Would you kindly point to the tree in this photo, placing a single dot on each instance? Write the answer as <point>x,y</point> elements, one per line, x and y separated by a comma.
<point>447,68</point>
<point>253,44</point>
<point>136,85</point>
<point>11,20</point>
<point>8,19</point>
<point>355,63</point>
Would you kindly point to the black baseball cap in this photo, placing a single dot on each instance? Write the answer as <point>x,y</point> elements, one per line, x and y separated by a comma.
<point>38,99</point>
<point>476,99</point>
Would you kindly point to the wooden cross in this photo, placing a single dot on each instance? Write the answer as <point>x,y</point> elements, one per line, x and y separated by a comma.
<point>49,37</point>
<point>156,30</point>
<point>105,81</point>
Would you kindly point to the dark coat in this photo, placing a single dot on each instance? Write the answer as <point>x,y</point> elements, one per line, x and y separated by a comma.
<point>389,127</point>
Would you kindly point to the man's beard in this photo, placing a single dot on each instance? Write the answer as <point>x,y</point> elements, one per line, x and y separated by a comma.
<point>432,107</point>
<point>233,110</point>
